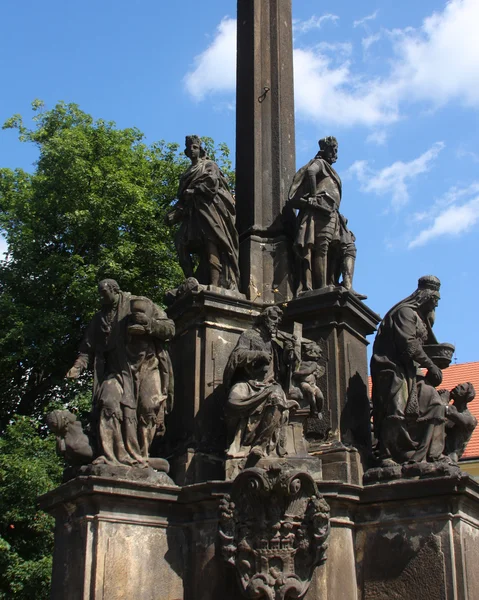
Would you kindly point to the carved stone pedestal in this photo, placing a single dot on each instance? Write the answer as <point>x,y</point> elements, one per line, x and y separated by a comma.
<point>114,540</point>
<point>419,539</point>
<point>208,324</point>
<point>296,457</point>
<point>117,539</point>
<point>266,262</point>
<point>340,322</point>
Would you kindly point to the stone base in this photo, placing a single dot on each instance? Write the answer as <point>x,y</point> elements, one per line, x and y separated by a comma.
<point>339,322</point>
<point>118,539</point>
<point>419,539</point>
<point>340,463</point>
<point>113,540</point>
<point>309,464</point>
<point>419,470</point>
<point>155,474</point>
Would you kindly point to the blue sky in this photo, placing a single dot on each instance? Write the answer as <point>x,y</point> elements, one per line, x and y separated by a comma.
<point>396,82</point>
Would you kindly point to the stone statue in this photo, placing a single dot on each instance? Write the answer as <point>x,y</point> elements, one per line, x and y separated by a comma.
<point>257,408</point>
<point>206,215</point>
<point>72,442</point>
<point>408,413</point>
<point>306,377</point>
<point>342,256</point>
<point>133,378</point>
<point>461,422</point>
<point>316,192</point>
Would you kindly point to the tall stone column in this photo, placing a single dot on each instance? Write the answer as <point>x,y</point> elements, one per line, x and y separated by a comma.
<point>265,145</point>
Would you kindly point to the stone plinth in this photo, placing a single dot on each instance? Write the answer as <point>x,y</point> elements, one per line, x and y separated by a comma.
<point>419,539</point>
<point>340,322</point>
<point>118,539</point>
<point>114,541</point>
<point>266,263</point>
<point>208,325</point>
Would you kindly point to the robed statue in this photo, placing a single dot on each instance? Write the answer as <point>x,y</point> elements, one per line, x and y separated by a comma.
<point>256,380</point>
<point>132,379</point>
<point>316,193</point>
<point>206,214</point>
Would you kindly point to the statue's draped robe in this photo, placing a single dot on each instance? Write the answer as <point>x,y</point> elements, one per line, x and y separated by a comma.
<point>313,225</point>
<point>209,215</point>
<point>133,375</point>
<point>251,389</point>
<point>409,414</point>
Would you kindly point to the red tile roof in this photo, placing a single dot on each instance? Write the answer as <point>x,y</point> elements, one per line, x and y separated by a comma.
<point>450,378</point>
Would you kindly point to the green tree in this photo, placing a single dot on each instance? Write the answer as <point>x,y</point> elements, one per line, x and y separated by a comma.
<point>28,468</point>
<point>93,208</point>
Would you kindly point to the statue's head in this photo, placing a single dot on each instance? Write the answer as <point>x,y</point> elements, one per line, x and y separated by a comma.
<point>193,147</point>
<point>464,392</point>
<point>329,149</point>
<point>270,318</point>
<point>109,291</point>
<point>427,292</point>
<point>58,421</point>
<point>311,351</point>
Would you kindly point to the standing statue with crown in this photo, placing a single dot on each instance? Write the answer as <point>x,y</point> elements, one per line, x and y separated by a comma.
<point>206,214</point>
<point>409,413</point>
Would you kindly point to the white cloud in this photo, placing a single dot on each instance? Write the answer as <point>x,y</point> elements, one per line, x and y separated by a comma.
<point>440,62</point>
<point>463,153</point>
<point>364,20</point>
<point>451,222</point>
<point>435,64</point>
<point>378,137</point>
<point>325,92</point>
<point>394,179</point>
<point>368,41</point>
<point>337,49</point>
<point>313,22</point>
<point>214,69</point>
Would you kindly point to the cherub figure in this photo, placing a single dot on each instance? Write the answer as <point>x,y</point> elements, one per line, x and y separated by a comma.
<point>461,422</point>
<point>307,375</point>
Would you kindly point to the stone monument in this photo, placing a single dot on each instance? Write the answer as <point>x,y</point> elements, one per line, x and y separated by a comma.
<point>281,489</point>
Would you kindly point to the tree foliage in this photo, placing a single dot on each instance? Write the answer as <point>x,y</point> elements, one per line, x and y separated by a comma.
<point>94,207</point>
<point>28,468</point>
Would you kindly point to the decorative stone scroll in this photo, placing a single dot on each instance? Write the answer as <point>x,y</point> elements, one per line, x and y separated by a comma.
<point>273,530</point>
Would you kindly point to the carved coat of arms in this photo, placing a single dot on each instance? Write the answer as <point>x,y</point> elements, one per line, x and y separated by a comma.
<point>273,530</point>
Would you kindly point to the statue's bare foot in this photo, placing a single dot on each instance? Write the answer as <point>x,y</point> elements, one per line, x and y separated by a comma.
<point>128,461</point>
<point>292,404</point>
<point>257,451</point>
<point>388,462</point>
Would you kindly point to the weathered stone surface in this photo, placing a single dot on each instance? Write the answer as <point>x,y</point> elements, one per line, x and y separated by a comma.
<point>208,325</point>
<point>265,145</point>
<point>205,211</point>
<point>402,539</point>
<point>412,537</point>
<point>273,529</point>
<point>132,383</point>
<point>114,540</point>
<point>340,322</point>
